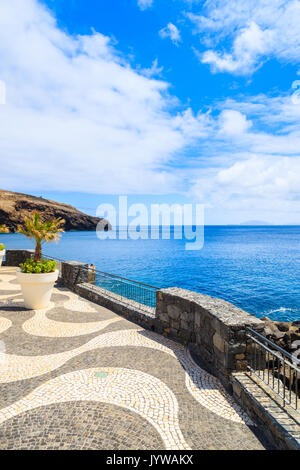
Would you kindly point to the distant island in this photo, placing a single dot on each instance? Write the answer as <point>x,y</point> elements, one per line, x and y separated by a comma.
<point>255,222</point>
<point>15,206</point>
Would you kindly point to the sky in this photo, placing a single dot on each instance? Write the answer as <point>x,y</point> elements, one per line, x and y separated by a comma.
<point>177,101</point>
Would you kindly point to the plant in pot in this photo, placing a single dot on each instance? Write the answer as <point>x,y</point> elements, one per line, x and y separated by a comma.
<point>37,275</point>
<point>3,229</point>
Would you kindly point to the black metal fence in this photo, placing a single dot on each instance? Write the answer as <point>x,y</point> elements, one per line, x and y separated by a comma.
<point>275,367</point>
<point>139,292</point>
<point>120,287</point>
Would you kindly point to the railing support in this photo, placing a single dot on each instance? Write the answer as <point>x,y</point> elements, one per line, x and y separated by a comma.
<point>279,366</point>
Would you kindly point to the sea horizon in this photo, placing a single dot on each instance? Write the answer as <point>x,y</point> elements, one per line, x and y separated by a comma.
<point>252,267</point>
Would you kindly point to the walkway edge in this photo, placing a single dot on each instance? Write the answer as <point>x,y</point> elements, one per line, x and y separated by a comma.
<point>280,425</point>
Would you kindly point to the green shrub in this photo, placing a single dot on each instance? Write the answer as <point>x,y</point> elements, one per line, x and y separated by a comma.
<point>36,267</point>
<point>2,247</point>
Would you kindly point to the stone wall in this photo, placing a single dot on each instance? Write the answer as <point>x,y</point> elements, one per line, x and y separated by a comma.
<point>216,327</point>
<point>73,273</point>
<point>128,309</point>
<point>16,257</point>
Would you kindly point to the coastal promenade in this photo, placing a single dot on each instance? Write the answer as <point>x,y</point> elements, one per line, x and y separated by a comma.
<point>78,376</point>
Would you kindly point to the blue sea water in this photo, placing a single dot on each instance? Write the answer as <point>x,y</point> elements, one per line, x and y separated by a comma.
<point>255,268</point>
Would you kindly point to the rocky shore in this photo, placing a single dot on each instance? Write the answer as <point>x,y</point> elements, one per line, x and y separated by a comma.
<point>15,206</point>
<point>287,336</point>
<point>284,334</point>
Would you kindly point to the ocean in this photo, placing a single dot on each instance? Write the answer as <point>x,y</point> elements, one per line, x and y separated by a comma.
<point>255,268</point>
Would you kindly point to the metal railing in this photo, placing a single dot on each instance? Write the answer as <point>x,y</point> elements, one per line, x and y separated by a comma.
<point>276,367</point>
<point>120,288</point>
<point>139,292</point>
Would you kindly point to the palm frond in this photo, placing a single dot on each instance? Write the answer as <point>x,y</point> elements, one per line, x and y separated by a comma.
<point>42,230</point>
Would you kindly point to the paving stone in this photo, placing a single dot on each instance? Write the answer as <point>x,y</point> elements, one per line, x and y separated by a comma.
<point>78,376</point>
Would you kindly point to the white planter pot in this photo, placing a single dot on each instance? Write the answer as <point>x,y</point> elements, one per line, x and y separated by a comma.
<point>37,288</point>
<point>2,253</point>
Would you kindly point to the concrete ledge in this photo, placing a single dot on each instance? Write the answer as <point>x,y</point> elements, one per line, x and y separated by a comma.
<point>129,309</point>
<point>281,425</point>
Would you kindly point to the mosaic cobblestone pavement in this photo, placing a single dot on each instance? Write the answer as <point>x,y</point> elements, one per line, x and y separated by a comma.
<point>78,376</point>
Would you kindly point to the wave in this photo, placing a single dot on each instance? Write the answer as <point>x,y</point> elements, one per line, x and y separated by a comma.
<point>283,309</point>
<point>283,314</point>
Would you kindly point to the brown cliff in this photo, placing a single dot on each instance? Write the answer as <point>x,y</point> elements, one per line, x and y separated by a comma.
<point>15,206</point>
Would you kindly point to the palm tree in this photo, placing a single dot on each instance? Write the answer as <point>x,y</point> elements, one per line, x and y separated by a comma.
<point>41,231</point>
<point>4,229</point>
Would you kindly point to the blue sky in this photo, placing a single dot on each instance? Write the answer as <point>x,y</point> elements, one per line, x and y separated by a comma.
<point>162,100</point>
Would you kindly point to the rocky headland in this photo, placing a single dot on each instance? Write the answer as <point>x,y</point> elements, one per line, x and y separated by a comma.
<point>15,206</point>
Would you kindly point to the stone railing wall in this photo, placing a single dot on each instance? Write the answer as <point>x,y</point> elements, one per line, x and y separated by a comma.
<point>74,273</point>
<point>16,257</point>
<point>216,328</point>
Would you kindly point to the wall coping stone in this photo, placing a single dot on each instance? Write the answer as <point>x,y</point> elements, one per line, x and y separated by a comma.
<point>20,250</point>
<point>75,263</point>
<point>224,311</point>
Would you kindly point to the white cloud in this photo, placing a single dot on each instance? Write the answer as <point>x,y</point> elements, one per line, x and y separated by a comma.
<point>252,172</point>
<point>261,176</point>
<point>77,116</point>
<point>233,122</point>
<point>144,4</point>
<point>247,46</point>
<point>154,70</point>
<point>257,184</point>
<point>281,110</point>
<point>249,34</point>
<point>170,31</point>
<point>279,117</point>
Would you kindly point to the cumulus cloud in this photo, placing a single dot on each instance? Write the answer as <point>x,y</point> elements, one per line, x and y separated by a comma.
<point>247,35</point>
<point>253,171</point>
<point>233,122</point>
<point>261,176</point>
<point>273,124</point>
<point>259,183</point>
<point>171,31</point>
<point>77,115</point>
<point>251,43</point>
<point>144,4</point>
